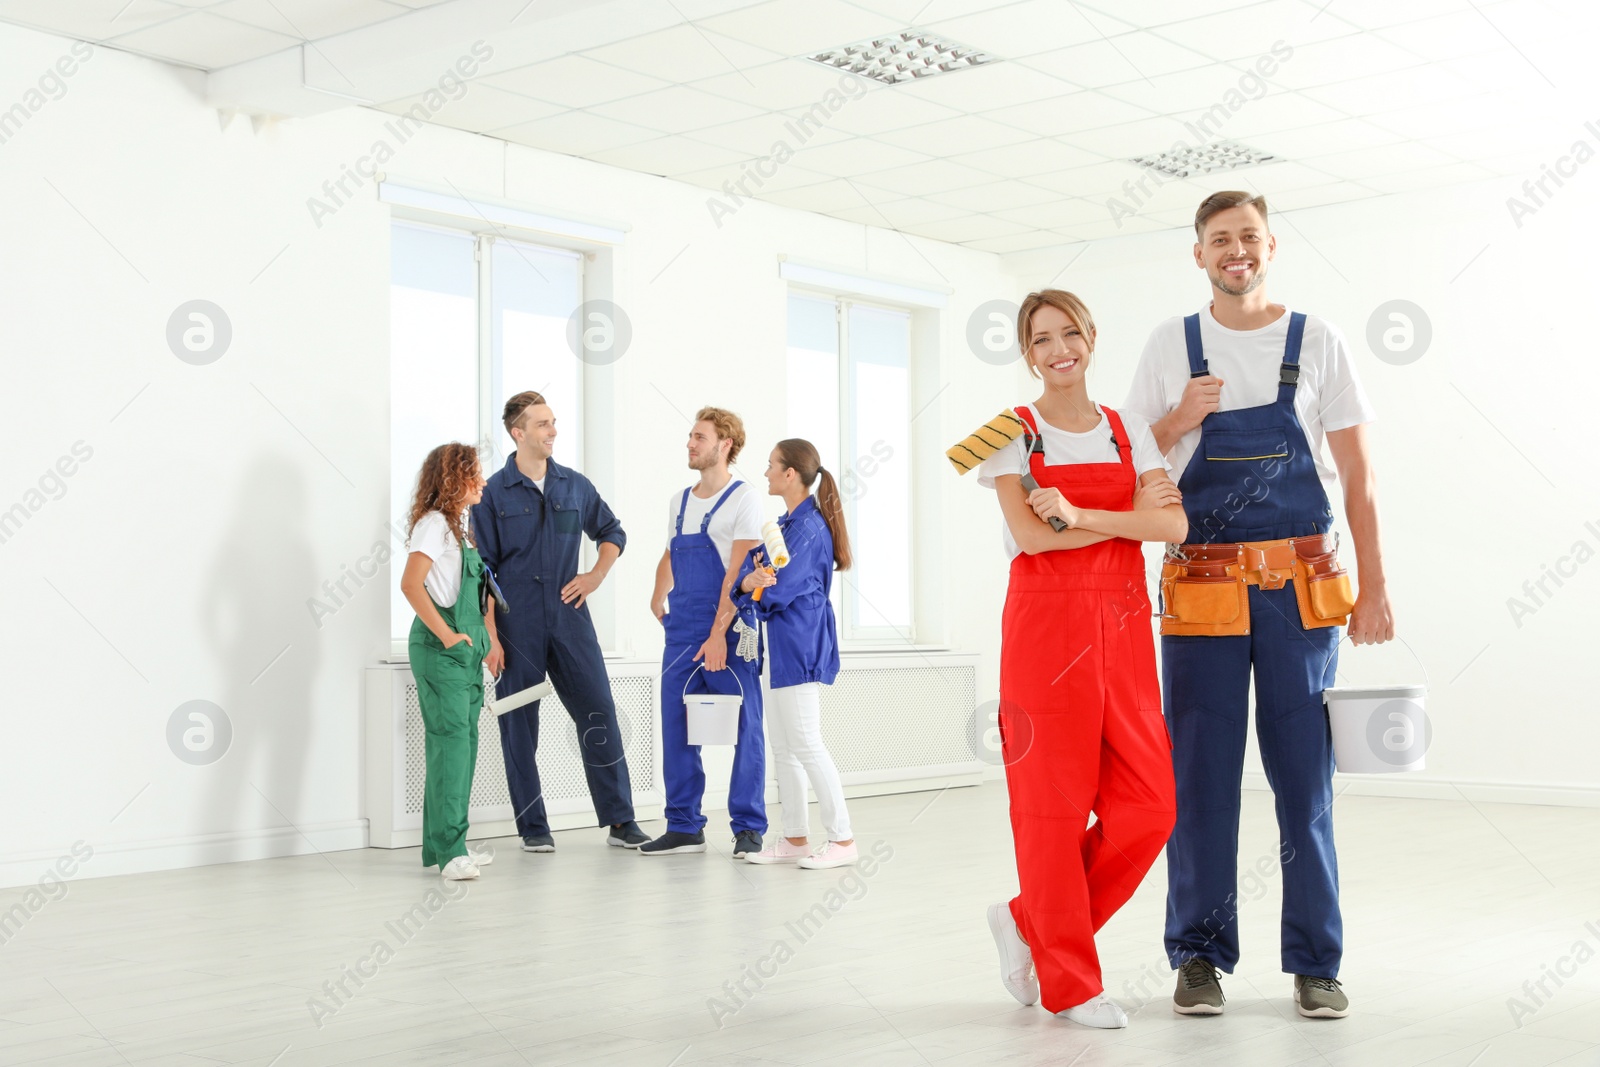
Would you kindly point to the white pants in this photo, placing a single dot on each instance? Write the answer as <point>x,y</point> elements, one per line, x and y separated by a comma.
<point>794,730</point>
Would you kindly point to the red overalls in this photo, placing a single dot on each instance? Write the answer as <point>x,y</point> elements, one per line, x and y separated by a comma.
<point>1081,730</point>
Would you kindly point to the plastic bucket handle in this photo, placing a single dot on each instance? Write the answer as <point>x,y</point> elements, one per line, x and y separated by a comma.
<point>700,667</point>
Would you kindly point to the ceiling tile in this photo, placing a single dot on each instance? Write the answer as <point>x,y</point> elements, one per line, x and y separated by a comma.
<point>1054,214</point>
<point>88,20</point>
<point>1327,62</point>
<point>966,133</point>
<point>967,228</point>
<point>683,53</point>
<point>1017,242</point>
<point>307,19</point>
<point>826,196</point>
<point>856,156</point>
<point>760,135</point>
<point>1042,155</point>
<point>881,109</point>
<point>1487,112</point>
<point>898,214</point>
<point>1091,66</point>
<point>788,83</point>
<point>920,179</point>
<point>677,109</point>
<point>1129,139</point>
<point>575,81</point>
<point>1318,196</point>
<point>787,176</point>
<point>1428,178</point>
<point>1016,29</point>
<point>575,133</point>
<point>482,108</point>
<point>1067,114</point>
<point>671,156</point>
<point>1279,111</point>
<point>800,27</point>
<point>1246,36</point>
<point>1372,14</point>
<point>203,40</point>
<point>1345,135</point>
<point>1383,92</point>
<point>1000,84</point>
<point>996,196</point>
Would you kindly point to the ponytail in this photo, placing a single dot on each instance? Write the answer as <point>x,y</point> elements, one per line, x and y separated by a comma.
<point>831,504</point>
<point>800,456</point>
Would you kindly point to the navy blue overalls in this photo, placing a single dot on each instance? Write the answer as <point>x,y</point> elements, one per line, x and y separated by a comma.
<point>531,539</point>
<point>1231,495</point>
<point>698,570</point>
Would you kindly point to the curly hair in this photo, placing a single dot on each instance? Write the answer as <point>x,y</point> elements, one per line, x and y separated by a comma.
<point>448,474</point>
<point>728,427</point>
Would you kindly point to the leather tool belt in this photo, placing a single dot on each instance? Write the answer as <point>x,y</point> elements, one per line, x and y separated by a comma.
<point>1205,589</point>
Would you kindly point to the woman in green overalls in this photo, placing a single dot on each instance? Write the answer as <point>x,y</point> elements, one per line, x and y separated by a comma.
<point>448,643</point>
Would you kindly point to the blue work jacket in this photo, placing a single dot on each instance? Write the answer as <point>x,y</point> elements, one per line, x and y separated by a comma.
<point>802,634</point>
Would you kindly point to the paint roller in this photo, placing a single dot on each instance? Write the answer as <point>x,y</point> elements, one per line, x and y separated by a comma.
<point>777,552</point>
<point>990,438</point>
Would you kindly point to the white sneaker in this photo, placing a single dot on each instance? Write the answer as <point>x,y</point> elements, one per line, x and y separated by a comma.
<point>779,851</point>
<point>481,856</point>
<point>460,869</point>
<point>831,854</point>
<point>1100,1012</point>
<point>1016,960</point>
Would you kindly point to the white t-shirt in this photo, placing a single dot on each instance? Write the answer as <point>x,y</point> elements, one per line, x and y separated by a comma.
<point>432,537</point>
<point>737,520</point>
<point>540,482</point>
<point>1328,397</point>
<point>1092,446</point>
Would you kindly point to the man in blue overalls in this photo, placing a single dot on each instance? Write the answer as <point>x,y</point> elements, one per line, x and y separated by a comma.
<point>712,526</point>
<point>1241,397</point>
<point>530,525</point>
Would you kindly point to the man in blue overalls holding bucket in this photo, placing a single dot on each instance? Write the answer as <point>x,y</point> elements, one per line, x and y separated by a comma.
<point>529,526</point>
<point>1240,397</point>
<point>711,527</point>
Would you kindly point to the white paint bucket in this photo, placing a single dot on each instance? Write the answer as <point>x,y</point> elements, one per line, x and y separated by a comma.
<point>1379,729</point>
<point>713,718</point>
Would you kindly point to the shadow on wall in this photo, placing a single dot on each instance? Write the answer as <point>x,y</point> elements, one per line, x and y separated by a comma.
<point>253,616</point>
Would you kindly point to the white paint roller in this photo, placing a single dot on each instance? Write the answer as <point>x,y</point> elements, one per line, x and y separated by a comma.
<point>777,551</point>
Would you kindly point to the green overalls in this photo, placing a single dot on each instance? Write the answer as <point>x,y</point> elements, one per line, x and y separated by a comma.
<point>450,694</point>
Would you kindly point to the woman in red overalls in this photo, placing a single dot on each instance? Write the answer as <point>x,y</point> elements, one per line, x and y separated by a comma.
<point>1080,707</point>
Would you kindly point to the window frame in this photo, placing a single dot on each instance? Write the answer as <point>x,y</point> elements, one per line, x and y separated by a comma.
<point>847,595</point>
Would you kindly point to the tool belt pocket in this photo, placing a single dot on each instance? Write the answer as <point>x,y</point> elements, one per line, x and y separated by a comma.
<point>1323,591</point>
<point>1203,604</point>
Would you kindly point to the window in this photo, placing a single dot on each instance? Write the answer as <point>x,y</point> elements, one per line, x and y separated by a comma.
<point>849,393</point>
<point>456,355</point>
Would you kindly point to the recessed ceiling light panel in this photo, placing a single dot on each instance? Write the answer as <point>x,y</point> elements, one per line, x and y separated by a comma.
<point>902,57</point>
<point>1186,161</point>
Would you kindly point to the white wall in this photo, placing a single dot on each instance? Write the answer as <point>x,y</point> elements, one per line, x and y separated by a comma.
<point>175,563</point>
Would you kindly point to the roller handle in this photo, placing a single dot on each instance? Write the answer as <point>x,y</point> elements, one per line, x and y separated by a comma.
<point>761,588</point>
<point>1030,484</point>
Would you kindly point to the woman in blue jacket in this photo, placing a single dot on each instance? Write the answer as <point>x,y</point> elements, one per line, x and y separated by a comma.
<point>803,646</point>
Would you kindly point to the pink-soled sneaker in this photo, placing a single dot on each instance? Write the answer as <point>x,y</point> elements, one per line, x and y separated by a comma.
<point>780,851</point>
<point>831,854</point>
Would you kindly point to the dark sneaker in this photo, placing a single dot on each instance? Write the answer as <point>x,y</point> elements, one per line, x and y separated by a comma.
<point>1320,998</point>
<point>745,841</point>
<point>627,835</point>
<point>1199,991</point>
<point>671,842</point>
<point>539,843</point>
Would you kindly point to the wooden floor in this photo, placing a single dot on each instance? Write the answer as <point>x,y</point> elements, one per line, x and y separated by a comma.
<point>596,955</point>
